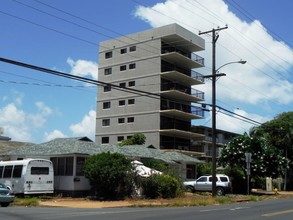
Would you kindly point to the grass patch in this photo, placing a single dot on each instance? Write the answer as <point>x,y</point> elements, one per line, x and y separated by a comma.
<point>30,201</point>
<point>253,198</point>
<point>223,200</point>
<point>189,200</point>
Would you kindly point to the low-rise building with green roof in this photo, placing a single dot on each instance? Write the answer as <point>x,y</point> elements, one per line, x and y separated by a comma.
<point>68,156</point>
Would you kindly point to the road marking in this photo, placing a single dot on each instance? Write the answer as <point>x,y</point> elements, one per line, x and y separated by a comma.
<point>278,213</point>
<point>222,209</point>
<point>238,208</point>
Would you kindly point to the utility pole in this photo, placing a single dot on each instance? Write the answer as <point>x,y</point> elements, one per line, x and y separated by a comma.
<point>215,37</point>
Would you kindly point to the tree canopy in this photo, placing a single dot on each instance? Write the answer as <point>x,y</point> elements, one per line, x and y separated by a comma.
<point>136,139</point>
<point>266,159</point>
<point>279,132</point>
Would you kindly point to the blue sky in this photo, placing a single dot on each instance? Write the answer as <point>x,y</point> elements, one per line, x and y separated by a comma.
<point>64,36</point>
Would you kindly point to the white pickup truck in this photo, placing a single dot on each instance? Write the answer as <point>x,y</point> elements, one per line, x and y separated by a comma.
<point>204,183</point>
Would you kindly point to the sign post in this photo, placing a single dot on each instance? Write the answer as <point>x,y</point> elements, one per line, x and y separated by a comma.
<point>248,161</point>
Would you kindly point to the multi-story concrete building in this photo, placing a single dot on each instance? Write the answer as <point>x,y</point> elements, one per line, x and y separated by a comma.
<point>204,146</point>
<point>158,61</point>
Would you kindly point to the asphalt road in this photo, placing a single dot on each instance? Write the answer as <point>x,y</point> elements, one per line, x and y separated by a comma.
<point>270,210</point>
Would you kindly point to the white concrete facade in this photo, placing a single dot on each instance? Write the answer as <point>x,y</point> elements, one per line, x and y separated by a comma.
<point>158,61</point>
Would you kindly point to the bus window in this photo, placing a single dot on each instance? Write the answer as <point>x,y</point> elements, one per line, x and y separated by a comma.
<point>40,171</point>
<point>7,171</point>
<point>17,171</point>
<point>1,171</point>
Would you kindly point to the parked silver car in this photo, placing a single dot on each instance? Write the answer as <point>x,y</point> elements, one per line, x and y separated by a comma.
<point>5,196</point>
<point>204,183</point>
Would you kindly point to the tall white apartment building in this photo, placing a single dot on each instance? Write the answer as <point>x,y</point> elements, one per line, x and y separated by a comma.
<point>160,61</point>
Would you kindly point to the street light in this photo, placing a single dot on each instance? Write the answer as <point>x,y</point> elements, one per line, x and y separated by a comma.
<point>240,61</point>
<point>214,137</point>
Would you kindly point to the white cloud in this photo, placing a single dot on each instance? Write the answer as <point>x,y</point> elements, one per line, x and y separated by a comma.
<point>268,60</point>
<point>52,135</point>
<point>38,119</point>
<point>13,122</point>
<point>83,68</point>
<point>260,86</point>
<point>225,122</point>
<point>18,124</point>
<point>86,127</point>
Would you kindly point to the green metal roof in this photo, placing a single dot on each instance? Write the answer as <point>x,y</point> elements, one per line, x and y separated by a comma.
<point>83,145</point>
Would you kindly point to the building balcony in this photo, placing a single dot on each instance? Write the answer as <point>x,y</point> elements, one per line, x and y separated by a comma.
<point>184,76</point>
<point>181,111</point>
<point>180,92</point>
<point>181,58</point>
<point>177,128</point>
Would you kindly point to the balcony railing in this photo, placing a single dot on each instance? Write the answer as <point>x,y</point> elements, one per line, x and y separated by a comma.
<point>169,49</point>
<point>181,107</point>
<point>167,67</point>
<point>184,89</point>
<point>175,124</point>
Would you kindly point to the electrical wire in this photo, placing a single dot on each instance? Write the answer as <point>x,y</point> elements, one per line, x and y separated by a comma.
<point>100,83</point>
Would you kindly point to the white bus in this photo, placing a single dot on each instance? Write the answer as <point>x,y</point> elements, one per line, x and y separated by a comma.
<point>28,176</point>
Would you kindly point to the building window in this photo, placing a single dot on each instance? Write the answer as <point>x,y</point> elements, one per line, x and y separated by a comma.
<point>131,101</point>
<point>130,119</point>
<point>107,71</point>
<point>79,166</point>
<point>121,102</point>
<point>131,83</point>
<point>63,166</point>
<point>190,171</point>
<point>120,138</point>
<point>123,50</point>
<point>121,120</point>
<point>123,68</point>
<point>106,122</point>
<point>105,140</point>
<point>122,85</point>
<point>106,105</point>
<point>132,66</point>
<point>108,55</point>
<point>132,49</point>
<point>107,88</point>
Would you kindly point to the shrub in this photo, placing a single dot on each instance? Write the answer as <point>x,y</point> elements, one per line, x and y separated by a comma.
<point>163,186</point>
<point>110,175</point>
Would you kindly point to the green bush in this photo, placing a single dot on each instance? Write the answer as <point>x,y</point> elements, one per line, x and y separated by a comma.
<point>110,175</point>
<point>161,186</point>
<point>258,182</point>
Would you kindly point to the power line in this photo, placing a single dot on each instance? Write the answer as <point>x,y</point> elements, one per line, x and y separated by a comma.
<point>81,25</point>
<point>100,83</point>
<point>48,28</point>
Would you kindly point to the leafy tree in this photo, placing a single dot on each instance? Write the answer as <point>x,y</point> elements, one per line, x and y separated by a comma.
<point>266,159</point>
<point>279,132</point>
<point>157,165</point>
<point>136,139</point>
<point>204,169</point>
<point>110,175</point>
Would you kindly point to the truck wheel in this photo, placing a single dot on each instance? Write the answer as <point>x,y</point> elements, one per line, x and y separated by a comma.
<point>220,191</point>
<point>189,189</point>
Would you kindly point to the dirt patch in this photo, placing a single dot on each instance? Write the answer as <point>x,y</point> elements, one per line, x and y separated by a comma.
<point>83,203</point>
<point>188,200</point>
